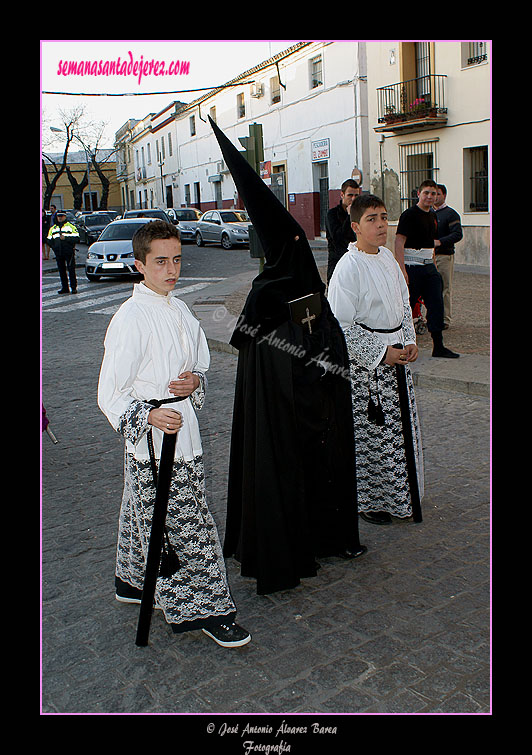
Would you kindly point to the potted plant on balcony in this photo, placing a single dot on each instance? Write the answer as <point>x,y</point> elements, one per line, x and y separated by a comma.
<point>421,108</point>
<point>391,116</point>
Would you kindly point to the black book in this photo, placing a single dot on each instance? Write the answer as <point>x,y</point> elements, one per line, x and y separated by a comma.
<point>305,310</point>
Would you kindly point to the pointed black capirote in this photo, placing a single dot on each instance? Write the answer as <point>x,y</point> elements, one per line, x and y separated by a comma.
<point>290,270</point>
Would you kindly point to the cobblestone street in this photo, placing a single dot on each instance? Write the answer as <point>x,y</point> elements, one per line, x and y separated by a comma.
<point>405,629</point>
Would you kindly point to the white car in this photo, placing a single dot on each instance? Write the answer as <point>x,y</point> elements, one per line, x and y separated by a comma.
<point>112,254</point>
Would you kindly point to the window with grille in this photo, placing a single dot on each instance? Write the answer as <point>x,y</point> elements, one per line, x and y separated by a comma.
<point>423,69</point>
<point>474,53</point>
<point>240,106</point>
<point>476,179</point>
<point>417,162</point>
<point>316,72</point>
<point>275,90</point>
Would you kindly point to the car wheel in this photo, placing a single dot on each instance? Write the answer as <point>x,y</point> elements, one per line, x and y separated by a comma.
<point>92,277</point>
<point>199,240</point>
<point>226,241</point>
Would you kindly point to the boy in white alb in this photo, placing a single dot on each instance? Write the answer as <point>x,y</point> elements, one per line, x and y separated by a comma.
<point>369,297</point>
<point>156,349</point>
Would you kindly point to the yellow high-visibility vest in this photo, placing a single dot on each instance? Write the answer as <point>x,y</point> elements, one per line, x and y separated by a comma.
<point>67,229</point>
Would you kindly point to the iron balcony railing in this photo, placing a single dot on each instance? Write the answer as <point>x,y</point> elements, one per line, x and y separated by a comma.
<point>416,99</point>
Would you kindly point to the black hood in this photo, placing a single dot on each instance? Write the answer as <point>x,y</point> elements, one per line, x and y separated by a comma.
<point>290,270</point>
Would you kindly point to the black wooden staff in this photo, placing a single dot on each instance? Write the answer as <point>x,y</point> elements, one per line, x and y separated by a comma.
<point>153,561</point>
<point>406,422</point>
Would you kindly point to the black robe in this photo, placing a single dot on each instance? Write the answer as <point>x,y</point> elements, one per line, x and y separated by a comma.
<point>292,478</point>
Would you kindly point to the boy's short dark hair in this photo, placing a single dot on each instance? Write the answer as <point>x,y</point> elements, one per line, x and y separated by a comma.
<point>428,182</point>
<point>156,229</point>
<point>443,189</point>
<point>363,202</point>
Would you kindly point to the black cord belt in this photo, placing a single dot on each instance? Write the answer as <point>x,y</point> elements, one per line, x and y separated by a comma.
<point>380,330</point>
<point>156,402</point>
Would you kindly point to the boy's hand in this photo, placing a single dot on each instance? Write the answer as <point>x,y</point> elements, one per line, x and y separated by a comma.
<point>395,356</point>
<point>412,352</point>
<point>401,356</point>
<point>186,384</point>
<point>167,420</point>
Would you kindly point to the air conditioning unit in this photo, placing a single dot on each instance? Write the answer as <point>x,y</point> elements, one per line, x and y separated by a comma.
<point>257,90</point>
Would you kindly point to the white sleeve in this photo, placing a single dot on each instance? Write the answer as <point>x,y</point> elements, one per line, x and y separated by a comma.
<point>365,349</point>
<point>200,368</point>
<point>125,344</point>
<point>343,292</point>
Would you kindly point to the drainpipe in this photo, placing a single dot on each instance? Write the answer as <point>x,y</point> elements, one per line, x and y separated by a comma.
<point>380,139</point>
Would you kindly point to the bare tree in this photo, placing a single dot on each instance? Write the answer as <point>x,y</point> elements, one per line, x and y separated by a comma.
<point>51,169</point>
<point>94,135</point>
<point>89,134</point>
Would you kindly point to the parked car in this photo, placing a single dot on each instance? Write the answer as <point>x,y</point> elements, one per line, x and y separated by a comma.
<point>187,221</point>
<point>90,226</point>
<point>112,254</point>
<point>150,214</point>
<point>113,214</point>
<point>225,227</point>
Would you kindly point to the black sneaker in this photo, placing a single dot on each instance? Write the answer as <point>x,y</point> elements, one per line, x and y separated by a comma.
<point>228,635</point>
<point>127,594</point>
<point>63,291</point>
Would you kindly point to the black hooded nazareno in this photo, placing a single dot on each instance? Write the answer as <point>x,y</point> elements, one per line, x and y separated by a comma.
<point>292,482</point>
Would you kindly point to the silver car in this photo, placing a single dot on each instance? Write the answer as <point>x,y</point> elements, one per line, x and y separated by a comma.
<point>225,227</point>
<point>187,221</point>
<point>112,254</point>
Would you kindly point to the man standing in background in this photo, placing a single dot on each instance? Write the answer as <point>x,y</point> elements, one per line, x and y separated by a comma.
<point>449,233</point>
<point>338,225</point>
<point>415,244</point>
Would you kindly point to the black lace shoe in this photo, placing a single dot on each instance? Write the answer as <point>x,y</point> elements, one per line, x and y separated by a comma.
<point>228,635</point>
<point>63,291</point>
<point>376,517</point>
<point>348,553</point>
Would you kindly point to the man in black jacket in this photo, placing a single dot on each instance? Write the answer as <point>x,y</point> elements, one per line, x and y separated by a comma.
<point>62,238</point>
<point>338,226</point>
<point>449,233</point>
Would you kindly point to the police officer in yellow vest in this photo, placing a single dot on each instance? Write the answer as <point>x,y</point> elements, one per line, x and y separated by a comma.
<point>62,238</point>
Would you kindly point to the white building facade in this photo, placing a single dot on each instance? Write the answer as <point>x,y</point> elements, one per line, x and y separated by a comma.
<point>311,103</point>
<point>430,117</point>
<point>388,114</point>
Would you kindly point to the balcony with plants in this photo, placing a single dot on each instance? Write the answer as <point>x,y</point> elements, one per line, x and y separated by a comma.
<point>414,105</point>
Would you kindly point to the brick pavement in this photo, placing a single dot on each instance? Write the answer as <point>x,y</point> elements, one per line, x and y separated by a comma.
<point>405,629</point>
